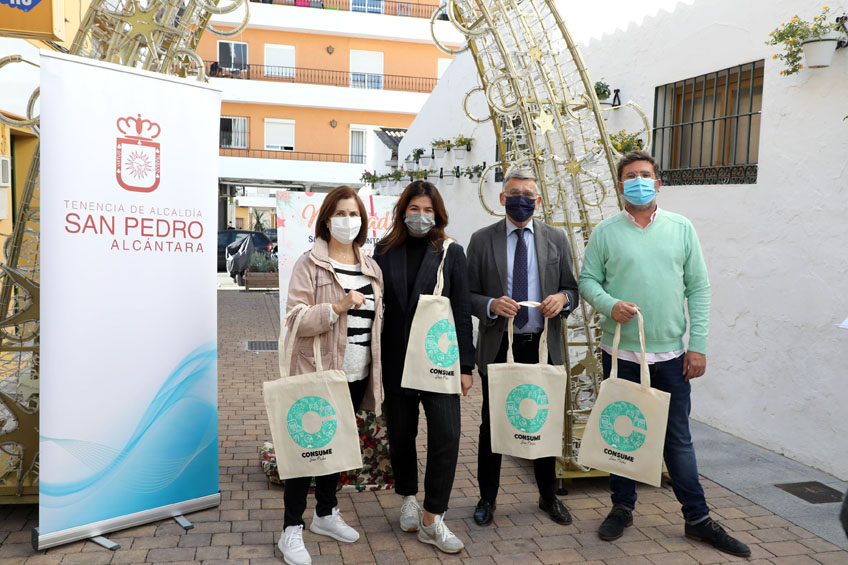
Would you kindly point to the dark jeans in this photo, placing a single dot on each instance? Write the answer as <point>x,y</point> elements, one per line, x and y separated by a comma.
<point>443,426</point>
<point>297,489</point>
<point>679,453</point>
<point>488,463</point>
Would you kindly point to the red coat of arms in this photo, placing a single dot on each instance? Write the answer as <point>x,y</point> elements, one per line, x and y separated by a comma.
<point>137,156</point>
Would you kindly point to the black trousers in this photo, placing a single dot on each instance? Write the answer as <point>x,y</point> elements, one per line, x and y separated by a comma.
<point>488,463</point>
<point>297,489</point>
<point>443,426</point>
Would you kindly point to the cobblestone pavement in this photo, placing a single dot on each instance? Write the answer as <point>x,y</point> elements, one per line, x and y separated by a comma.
<point>245,527</point>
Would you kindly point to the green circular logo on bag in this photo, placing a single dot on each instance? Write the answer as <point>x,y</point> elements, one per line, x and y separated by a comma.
<point>513,408</point>
<point>320,426</point>
<point>440,345</point>
<point>637,424</point>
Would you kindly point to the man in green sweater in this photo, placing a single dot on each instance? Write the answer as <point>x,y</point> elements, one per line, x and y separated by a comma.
<point>650,260</point>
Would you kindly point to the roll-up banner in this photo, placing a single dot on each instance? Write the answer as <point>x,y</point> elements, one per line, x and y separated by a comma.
<point>296,216</point>
<point>129,425</point>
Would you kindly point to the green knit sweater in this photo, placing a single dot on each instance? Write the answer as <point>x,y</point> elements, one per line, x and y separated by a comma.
<point>655,268</point>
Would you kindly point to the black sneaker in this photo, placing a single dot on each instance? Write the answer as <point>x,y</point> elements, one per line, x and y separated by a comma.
<point>613,525</point>
<point>710,532</point>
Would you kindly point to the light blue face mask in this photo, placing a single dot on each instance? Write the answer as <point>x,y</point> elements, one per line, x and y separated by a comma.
<point>639,191</point>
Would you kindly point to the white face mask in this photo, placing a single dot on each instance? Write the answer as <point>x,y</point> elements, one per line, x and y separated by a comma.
<point>344,229</point>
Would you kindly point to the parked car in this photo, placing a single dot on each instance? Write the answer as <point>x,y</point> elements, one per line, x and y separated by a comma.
<point>272,235</point>
<point>261,242</point>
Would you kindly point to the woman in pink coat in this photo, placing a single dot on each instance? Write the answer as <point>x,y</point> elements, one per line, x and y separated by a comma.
<point>343,290</point>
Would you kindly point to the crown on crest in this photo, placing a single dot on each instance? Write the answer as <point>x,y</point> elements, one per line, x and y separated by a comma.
<point>139,127</point>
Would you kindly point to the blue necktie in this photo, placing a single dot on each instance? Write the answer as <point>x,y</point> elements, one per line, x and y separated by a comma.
<point>519,278</point>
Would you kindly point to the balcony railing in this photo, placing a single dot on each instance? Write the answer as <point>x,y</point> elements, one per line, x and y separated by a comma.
<point>388,7</point>
<point>323,76</point>
<point>291,155</point>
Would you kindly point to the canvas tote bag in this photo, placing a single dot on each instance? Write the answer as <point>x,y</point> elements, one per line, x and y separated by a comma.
<point>432,354</point>
<point>625,434</point>
<point>313,426</point>
<point>527,403</point>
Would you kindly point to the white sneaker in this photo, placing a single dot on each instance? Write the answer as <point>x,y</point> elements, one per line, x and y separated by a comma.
<point>410,514</point>
<point>292,548</point>
<point>333,526</point>
<point>439,534</point>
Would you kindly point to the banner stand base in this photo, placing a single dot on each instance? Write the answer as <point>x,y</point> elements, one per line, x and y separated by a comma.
<point>95,529</point>
<point>185,524</point>
<point>105,542</point>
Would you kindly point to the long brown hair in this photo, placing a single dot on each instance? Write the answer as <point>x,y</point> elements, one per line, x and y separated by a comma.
<point>398,233</point>
<point>328,208</point>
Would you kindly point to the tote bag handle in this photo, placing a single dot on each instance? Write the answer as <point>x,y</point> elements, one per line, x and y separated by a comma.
<point>645,374</point>
<point>543,340</point>
<point>440,278</point>
<point>287,347</point>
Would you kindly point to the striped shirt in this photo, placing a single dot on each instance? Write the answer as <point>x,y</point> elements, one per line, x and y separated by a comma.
<point>357,357</point>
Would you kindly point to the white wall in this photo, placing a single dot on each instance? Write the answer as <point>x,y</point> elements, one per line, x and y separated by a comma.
<point>776,250</point>
<point>443,117</point>
<point>342,23</point>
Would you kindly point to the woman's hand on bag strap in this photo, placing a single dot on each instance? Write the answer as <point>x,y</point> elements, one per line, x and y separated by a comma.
<point>467,381</point>
<point>353,299</point>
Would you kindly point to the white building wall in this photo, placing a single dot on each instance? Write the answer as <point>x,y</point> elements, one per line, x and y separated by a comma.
<point>341,23</point>
<point>776,250</point>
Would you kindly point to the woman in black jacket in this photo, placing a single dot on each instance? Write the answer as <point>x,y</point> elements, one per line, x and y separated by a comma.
<point>409,257</point>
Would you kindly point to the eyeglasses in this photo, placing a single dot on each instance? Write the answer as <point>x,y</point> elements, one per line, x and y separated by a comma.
<point>524,193</point>
<point>644,174</point>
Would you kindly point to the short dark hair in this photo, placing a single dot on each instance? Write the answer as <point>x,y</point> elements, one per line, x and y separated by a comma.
<point>328,208</point>
<point>398,232</point>
<point>637,155</point>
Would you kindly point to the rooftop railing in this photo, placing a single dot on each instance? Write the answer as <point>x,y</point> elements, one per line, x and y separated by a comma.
<point>291,155</point>
<point>388,7</point>
<point>322,76</point>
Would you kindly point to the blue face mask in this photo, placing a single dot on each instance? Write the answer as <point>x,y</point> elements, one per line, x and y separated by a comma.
<point>639,191</point>
<point>520,208</point>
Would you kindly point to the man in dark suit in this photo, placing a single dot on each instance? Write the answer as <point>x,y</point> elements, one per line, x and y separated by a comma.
<point>510,261</point>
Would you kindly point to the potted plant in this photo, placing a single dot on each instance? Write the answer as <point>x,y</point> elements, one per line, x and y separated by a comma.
<point>623,142</point>
<point>816,39</point>
<point>395,177</point>
<point>368,178</point>
<point>432,175</point>
<point>417,153</point>
<point>261,272</point>
<point>472,171</point>
<point>602,90</point>
<point>440,147</point>
<point>461,144</point>
<point>449,176</point>
<point>409,161</point>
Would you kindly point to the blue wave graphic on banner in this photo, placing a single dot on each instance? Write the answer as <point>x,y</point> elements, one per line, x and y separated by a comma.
<point>171,456</point>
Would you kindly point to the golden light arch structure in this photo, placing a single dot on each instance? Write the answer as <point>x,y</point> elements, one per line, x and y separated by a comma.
<point>154,35</point>
<point>547,117</point>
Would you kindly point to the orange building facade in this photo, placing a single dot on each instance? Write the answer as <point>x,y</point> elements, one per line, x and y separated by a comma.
<point>306,84</point>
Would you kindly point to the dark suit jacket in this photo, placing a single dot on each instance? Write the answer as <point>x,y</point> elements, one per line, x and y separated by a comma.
<point>400,308</point>
<point>487,279</point>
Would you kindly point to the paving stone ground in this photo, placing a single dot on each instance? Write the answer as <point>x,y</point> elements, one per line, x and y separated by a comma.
<point>244,529</point>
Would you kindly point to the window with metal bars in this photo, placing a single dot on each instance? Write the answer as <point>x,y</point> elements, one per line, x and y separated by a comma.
<point>707,128</point>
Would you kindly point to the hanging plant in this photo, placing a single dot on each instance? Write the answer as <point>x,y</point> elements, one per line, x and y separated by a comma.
<point>602,90</point>
<point>792,35</point>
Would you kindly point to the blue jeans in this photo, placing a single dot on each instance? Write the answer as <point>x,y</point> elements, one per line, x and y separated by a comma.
<point>679,453</point>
